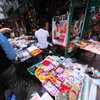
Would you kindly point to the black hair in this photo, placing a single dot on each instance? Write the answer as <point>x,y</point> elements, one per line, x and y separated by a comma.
<point>40,24</point>
<point>57,22</point>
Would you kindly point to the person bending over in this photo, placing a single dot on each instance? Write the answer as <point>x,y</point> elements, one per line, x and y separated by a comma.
<point>7,69</point>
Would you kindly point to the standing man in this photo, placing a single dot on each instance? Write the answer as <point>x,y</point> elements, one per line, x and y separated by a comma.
<point>42,36</point>
<point>7,69</point>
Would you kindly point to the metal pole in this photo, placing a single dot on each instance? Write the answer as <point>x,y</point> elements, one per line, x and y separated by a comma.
<point>84,21</point>
<point>70,22</point>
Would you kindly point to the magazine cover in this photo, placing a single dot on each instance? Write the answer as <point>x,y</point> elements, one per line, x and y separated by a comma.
<point>60,26</point>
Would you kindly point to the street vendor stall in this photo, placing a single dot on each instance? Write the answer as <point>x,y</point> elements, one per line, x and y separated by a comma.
<point>64,79</point>
<point>61,77</point>
<point>25,48</point>
<point>92,47</point>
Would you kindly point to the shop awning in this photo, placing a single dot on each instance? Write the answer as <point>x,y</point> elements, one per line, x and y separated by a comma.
<point>32,1</point>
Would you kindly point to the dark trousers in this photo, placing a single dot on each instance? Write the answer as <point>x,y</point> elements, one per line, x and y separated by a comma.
<point>11,81</point>
<point>43,50</point>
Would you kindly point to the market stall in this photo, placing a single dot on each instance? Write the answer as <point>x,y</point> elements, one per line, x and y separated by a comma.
<point>91,47</point>
<point>25,48</point>
<point>61,77</point>
<point>66,80</point>
<point>91,30</point>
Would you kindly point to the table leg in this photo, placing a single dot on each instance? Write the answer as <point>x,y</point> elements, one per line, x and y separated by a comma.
<point>93,59</point>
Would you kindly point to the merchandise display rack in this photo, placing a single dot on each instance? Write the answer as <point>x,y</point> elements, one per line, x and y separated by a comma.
<point>90,3</point>
<point>72,3</point>
<point>71,10</point>
<point>88,25</point>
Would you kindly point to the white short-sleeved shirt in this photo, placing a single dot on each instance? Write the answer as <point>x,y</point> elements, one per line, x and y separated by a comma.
<point>42,35</point>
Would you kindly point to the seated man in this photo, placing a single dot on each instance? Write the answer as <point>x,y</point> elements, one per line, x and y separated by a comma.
<point>42,36</point>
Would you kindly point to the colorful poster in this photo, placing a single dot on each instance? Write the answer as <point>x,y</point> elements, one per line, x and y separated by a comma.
<point>60,26</point>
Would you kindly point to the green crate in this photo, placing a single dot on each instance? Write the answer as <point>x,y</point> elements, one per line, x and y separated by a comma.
<point>34,66</point>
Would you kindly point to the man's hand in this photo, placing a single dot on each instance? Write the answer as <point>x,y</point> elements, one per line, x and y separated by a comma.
<point>3,30</point>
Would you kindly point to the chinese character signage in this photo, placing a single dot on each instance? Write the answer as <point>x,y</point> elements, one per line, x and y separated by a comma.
<point>60,26</point>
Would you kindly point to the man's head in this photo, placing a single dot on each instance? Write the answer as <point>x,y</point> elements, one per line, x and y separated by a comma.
<point>40,24</point>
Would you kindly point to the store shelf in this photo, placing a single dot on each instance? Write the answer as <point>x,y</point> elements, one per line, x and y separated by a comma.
<point>74,4</point>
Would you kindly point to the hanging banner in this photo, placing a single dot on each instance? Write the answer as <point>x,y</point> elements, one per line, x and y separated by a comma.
<point>60,26</point>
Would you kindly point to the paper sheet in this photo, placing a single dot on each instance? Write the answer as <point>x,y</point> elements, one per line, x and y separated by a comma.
<point>46,96</point>
<point>96,81</point>
<point>32,48</point>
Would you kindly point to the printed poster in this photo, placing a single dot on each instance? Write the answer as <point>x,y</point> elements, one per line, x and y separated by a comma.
<point>60,26</point>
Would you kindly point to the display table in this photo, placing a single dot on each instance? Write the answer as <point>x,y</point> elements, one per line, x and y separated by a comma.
<point>92,47</point>
<point>64,77</point>
<point>28,57</point>
<point>25,49</point>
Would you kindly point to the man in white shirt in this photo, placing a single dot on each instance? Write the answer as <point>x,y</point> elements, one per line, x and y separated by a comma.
<point>42,36</point>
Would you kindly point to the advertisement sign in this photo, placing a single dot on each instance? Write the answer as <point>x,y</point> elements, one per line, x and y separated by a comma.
<point>60,26</point>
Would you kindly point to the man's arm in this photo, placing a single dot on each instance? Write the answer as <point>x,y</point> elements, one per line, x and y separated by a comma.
<point>3,30</point>
<point>8,49</point>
